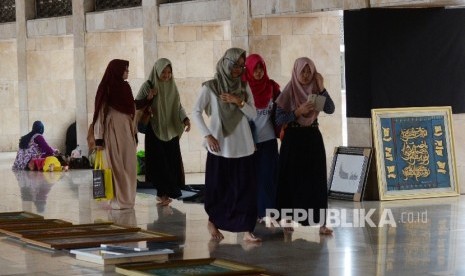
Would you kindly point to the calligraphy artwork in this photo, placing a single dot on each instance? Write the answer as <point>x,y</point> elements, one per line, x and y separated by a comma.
<point>209,266</point>
<point>414,152</point>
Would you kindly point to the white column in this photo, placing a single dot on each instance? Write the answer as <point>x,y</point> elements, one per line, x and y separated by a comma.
<point>80,8</point>
<point>240,21</point>
<point>24,11</point>
<point>149,32</point>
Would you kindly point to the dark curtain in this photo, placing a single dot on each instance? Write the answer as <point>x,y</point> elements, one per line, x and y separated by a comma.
<point>404,58</point>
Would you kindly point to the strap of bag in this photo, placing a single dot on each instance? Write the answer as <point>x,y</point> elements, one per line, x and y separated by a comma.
<point>98,163</point>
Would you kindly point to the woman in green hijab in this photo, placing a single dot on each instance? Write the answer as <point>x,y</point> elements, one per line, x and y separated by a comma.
<point>230,180</point>
<point>163,159</point>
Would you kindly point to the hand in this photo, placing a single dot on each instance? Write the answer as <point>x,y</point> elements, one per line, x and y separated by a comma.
<point>213,143</point>
<point>319,82</point>
<point>304,109</point>
<point>153,92</point>
<point>187,125</point>
<point>230,98</point>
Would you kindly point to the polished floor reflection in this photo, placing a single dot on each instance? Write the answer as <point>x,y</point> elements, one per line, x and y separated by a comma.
<point>404,237</point>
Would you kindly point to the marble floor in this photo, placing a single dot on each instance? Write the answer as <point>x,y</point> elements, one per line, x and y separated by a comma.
<point>409,237</point>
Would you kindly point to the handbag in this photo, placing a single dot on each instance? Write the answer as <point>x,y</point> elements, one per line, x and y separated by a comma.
<point>102,183</point>
<point>143,118</point>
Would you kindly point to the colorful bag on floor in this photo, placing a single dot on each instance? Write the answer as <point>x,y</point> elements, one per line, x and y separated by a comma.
<point>51,164</point>
<point>102,183</point>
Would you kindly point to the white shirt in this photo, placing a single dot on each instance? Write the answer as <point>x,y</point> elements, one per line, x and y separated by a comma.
<point>263,126</point>
<point>237,144</point>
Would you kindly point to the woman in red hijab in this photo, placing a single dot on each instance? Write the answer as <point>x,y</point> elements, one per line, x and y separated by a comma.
<point>302,159</point>
<point>264,91</point>
<point>114,131</point>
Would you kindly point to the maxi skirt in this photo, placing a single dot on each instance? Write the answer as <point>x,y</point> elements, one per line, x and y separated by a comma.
<point>163,165</point>
<point>120,153</point>
<point>231,193</point>
<point>302,176</point>
<point>266,159</point>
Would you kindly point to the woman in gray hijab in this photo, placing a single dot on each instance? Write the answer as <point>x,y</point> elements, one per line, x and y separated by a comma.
<point>163,158</point>
<point>230,185</point>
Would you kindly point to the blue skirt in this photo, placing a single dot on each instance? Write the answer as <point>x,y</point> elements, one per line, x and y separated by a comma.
<point>266,159</point>
<point>231,193</point>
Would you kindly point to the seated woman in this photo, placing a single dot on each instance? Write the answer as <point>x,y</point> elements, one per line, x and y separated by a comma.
<point>32,146</point>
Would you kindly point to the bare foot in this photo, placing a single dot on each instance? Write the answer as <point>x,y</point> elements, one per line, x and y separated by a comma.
<point>247,246</point>
<point>287,236</point>
<point>288,229</point>
<point>250,237</point>
<point>325,231</point>
<point>165,202</point>
<point>114,205</point>
<point>216,234</point>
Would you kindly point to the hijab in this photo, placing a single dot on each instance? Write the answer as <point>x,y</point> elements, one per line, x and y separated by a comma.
<point>229,113</point>
<point>114,91</point>
<point>263,88</point>
<point>166,122</point>
<point>295,94</point>
<point>37,128</point>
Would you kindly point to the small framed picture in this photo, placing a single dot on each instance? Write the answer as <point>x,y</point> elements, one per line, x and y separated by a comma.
<point>20,216</point>
<point>415,153</point>
<point>349,172</point>
<point>210,266</point>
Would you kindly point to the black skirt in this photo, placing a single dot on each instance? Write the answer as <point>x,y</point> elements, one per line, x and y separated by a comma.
<point>164,166</point>
<point>302,179</point>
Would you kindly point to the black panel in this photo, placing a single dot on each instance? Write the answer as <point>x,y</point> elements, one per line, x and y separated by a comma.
<point>404,58</point>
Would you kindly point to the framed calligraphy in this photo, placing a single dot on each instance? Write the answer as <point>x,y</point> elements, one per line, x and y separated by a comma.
<point>210,266</point>
<point>349,172</point>
<point>415,155</point>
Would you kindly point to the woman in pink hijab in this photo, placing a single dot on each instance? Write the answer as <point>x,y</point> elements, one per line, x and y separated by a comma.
<point>302,160</point>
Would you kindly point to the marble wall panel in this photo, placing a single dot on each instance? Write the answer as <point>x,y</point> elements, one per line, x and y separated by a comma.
<point>199,53</point>
<point>185,33</point>
<point>307,25</point>
<point>9,62</point>
<point>326,53</point>
<point>293,47</point>
<point>212,32</point>
<point>8,31</point>
<point>279,26</point>
<point>38,65</point>
<point>359,132</point>
<point>163,34</point>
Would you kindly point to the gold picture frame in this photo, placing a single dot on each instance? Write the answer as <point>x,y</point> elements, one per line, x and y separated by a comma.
<point>414,149</point>
<point>70,230</point>
<point>207,266</point>
<point>93,240</point>
<point>14,226</point>
<point>7,217</point>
